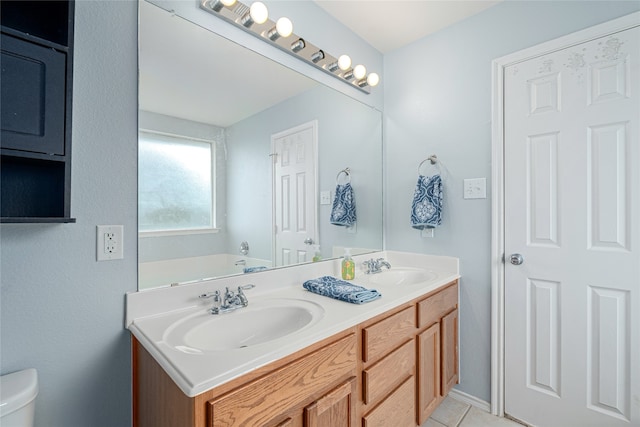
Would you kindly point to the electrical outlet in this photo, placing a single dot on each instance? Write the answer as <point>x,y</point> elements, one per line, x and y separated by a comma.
<point>109,242</point>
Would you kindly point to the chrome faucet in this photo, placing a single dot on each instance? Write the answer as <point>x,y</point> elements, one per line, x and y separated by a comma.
<point>374,266</point>
<point>228,302</point>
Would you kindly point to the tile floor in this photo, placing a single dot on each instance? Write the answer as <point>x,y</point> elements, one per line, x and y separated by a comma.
<point>453,413</point>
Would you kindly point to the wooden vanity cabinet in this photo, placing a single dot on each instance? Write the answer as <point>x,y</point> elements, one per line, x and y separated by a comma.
<point>437,371</point>
<point>304,389</point>
<point>409,360</point>
<point>392,370</point>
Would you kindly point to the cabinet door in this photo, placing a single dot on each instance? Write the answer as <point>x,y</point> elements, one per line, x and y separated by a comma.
<point>449,333</point>
<point>336,409</point>
<point>33,97</point>
<point>428,372</point>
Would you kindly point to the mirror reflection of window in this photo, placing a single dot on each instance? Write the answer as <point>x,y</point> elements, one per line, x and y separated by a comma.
<point>175,183</point>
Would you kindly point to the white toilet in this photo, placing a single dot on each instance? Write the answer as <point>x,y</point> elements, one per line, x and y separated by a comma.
<point>18,393</point>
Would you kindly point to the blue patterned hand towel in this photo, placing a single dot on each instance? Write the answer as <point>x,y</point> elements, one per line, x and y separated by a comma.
<point>331,287</point>
<point>254,269</point>
<point>426,209</point>
<point>343,211</point>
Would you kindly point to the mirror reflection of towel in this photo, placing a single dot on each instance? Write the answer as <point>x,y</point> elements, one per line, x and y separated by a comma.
<point>343,211</point>
<point>426,209</point>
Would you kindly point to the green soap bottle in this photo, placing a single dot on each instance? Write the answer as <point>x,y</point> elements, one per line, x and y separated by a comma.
<point>348,266</point>
<point>317,256</point>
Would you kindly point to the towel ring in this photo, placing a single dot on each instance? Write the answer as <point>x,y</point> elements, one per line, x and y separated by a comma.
<point>347,173</point>
<point>432,158</point>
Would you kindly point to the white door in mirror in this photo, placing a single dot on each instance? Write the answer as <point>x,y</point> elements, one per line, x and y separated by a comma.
<point>295,194</point>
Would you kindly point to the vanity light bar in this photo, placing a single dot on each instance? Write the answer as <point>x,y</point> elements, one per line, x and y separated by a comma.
<point>267,30</point>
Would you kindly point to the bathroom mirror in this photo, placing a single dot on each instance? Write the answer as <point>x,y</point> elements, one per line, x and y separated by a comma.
<point>222,209</point>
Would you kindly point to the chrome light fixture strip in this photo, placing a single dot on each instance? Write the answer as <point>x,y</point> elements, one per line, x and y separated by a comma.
<point>293,44</point>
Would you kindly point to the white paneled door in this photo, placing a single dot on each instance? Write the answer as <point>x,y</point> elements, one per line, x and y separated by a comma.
<point>294,191</point>
<point>572,235</point>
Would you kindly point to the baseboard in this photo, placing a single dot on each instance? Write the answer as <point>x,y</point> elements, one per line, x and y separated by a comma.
<point>471,400</point>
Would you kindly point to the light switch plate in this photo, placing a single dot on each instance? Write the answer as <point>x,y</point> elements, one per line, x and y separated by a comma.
<point>475,188</point>
<point>325,197</point>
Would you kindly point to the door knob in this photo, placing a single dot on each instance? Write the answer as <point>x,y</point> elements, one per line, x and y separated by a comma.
<point>308,241</point>
<point>516,259</point>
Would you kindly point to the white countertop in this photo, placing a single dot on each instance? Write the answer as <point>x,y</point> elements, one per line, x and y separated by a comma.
<point>151,313</point>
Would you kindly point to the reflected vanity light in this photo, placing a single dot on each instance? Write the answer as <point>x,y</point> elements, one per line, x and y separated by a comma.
<point>254,19</point>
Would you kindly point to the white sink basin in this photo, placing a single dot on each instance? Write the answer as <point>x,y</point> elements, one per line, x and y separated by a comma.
<point>401,276</point>
<point>260,322</point>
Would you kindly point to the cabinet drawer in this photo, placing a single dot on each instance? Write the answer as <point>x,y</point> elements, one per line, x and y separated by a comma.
<point>261,401</point>
<point>381,378</point>
<point>397,410</point>
<point>387,334</point>
<point>430,310</point>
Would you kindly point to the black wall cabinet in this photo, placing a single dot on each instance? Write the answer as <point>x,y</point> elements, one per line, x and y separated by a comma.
<point>36,83</point>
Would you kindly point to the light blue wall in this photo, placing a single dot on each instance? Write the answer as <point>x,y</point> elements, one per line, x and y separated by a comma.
<point>63,312</point>
<point>438,101</point>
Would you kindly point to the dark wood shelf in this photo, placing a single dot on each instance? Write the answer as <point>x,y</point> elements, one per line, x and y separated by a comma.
<point>7,152</point>
<point>34,39</point>
<point>36,220</point>
<point>36,85</point>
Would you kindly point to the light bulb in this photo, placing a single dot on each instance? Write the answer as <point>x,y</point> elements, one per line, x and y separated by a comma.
<point>284,27</point>
<point>258,12</point>
<point>373,79</point>
<point>359,71</point>
<point>217,5</point>
<point>344,62</point>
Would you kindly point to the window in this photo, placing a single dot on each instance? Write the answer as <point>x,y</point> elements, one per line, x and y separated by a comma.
<point>175,183</point>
